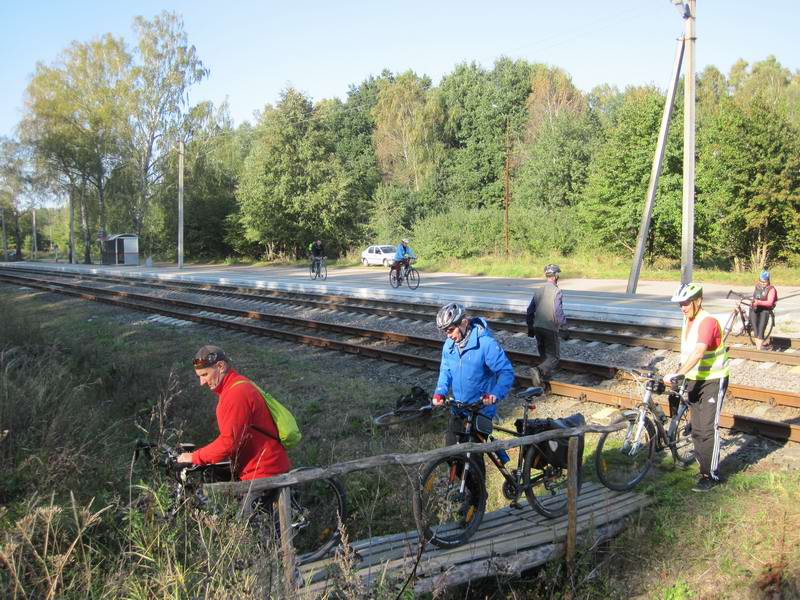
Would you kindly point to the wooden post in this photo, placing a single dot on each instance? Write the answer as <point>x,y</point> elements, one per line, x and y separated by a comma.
<point>289,559</point>
<point>572,513</point>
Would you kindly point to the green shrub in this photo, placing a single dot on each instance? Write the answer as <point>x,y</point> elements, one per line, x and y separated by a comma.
<point>461,233</point>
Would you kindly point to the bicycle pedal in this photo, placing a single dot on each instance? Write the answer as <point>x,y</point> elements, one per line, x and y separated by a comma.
<point>515,505</point>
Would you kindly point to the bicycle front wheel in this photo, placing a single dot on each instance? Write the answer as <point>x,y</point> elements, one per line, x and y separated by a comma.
<point>323,272</point>
<point>394,278</point>
<point>623,457</point>
<point>770,325</point>
<point>401,415</point>
<point>413,278</point>
<point>681,444</point>
<point>445,515</point>
<point>545,485</point>
<point>317,508</point>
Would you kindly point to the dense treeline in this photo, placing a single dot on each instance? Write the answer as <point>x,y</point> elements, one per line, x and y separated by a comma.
<point>399,156</point>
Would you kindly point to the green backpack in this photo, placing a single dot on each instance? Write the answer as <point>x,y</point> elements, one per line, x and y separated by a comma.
<point>288,431</point>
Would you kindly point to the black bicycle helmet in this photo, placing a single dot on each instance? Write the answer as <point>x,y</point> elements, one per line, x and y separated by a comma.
<point>551,270</point>
<point>449,315</point>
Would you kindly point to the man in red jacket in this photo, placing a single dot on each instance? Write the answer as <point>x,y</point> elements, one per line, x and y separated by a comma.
<point>247,434</point>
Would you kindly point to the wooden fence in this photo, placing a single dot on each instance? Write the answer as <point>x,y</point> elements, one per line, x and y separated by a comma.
<point>251,489</point>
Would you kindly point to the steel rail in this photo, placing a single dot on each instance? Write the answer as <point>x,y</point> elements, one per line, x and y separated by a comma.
<point>603,331</point>
<point>769,396</point>
<point>765,427</point>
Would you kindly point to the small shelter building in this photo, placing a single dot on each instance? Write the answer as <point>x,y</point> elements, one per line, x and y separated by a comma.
<point>121,249</point>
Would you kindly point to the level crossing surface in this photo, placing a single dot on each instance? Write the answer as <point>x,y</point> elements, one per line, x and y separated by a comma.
<point>594,299</point>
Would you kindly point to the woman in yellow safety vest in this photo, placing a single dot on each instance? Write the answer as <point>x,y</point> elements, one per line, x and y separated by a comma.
<point>704,362</point>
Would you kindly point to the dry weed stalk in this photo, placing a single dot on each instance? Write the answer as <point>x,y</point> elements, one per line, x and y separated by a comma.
<point>41,545</point>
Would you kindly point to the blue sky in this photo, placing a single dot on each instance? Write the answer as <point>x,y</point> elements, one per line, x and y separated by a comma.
<point>256,49</point>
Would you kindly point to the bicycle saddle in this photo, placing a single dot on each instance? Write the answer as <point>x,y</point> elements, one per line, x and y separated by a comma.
<point>530,392</point>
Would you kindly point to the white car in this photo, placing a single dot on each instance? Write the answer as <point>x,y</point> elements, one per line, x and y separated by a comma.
<point>378,255</point>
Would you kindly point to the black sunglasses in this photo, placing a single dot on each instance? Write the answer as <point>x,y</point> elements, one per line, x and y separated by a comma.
<point>210,360</point>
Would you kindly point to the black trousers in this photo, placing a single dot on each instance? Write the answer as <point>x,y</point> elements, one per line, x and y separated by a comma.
<point>549,346</point>
<point>705,401</point>
<point>759,319</point>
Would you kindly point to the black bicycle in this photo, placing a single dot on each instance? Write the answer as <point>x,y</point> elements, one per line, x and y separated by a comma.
<point>450,499</point>
<point>411,406</point>
<point>405,273</point>
<point>741,313</point>
<point>317,506</point>
<point>318,269</point>
<point>624,457</point>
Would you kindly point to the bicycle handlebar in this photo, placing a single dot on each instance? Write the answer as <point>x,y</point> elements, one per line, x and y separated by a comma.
<point>167,456</point>
<point>742,298</point>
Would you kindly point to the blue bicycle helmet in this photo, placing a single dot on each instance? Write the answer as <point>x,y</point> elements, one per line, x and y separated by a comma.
<point>764,275</point>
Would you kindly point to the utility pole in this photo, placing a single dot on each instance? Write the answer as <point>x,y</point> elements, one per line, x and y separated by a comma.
<point>71,228</point>
<point>180,204</point>
<point>644,228</point>
<point>5,241</point>
<point>33,239</point>
<point>507,193</point>
<point>687,225</point>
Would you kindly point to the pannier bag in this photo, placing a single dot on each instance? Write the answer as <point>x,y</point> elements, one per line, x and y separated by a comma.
<point>552,452</point>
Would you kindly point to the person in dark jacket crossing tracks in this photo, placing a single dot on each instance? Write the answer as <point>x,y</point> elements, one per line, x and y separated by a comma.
<point>545,318</point>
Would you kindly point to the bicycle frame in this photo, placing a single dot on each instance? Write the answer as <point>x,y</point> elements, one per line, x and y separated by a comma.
<point>740,313</point>
<point>647,405</point>
<point>513,478</point>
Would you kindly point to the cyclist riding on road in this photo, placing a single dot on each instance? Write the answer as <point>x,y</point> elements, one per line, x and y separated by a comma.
<point>316,250</point>
<point>764,298</point>
<point>248,436</point>
<point>402,256</point>
<point>474,366</point>
<point>704,362</point>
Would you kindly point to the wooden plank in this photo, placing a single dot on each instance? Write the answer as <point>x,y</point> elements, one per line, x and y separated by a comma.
<point>514,564</point>
<point>461,573</point>
<point>519,541</point>
<point>502,521</point>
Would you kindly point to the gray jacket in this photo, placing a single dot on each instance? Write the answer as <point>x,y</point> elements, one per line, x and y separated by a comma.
<point>546,310</point>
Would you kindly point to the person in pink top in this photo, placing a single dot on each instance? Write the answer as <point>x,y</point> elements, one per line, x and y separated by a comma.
<point>248,436</point>
<point>765,296</point>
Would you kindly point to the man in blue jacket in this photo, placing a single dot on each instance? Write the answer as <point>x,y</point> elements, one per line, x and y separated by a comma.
<point>402,255</point>
<point>474,366</point>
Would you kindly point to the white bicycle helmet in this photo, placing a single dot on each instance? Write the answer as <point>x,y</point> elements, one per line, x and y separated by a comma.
<point>687,291</point>
<point>449,315</point>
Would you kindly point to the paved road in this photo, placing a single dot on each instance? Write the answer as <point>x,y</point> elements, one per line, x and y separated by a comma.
<point>587,298</point>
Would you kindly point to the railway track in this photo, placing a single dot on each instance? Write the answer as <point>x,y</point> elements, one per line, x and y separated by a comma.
<point>784,350</point>
<point>416,351</point>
